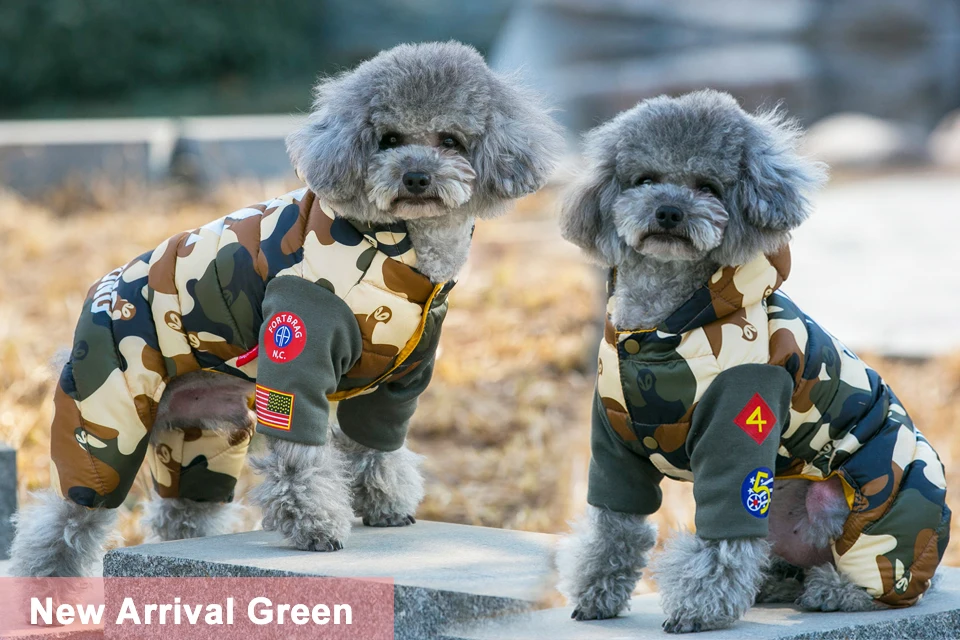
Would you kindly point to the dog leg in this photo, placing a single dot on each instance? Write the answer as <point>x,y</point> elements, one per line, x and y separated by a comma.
<point>305,494</point>
<point>180,518</point>
<point>709,584</point>
<point>601,561</point>
<point>387,486</point>
<point>57,538</point>
<point>824,589</point>
<point>783,582</point>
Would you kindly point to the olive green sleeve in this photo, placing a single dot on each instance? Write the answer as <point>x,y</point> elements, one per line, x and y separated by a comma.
<point>379,420</point>
<point>620,480</point>
<point>733,442</point>
<point>292,387</point>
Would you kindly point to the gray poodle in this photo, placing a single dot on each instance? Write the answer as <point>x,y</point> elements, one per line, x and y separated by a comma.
<point>322,307</point>
<point>709,374</point>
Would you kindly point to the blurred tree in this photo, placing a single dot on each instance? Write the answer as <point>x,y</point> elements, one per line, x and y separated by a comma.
<point>168,56</point>
<point>102,48</point>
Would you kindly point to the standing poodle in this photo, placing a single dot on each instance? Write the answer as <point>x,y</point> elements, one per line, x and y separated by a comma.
<point>708,373</point>
<point>325,302</point>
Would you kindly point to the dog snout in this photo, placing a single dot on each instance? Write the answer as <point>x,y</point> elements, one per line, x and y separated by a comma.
<point>668,216</point>
<point>416,182</point>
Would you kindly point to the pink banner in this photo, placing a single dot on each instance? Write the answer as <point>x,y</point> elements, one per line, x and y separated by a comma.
<point>189,608</point>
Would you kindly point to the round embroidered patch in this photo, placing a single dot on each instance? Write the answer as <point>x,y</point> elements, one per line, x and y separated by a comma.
<point>756,491</point>
<point>284,337</point>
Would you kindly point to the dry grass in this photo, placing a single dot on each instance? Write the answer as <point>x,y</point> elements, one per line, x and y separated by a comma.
<point>505,423</point>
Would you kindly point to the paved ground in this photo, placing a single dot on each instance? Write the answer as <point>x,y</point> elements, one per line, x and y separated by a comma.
<point>878,263</point>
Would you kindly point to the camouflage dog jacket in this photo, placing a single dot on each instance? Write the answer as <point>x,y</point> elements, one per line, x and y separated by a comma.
<point>739,386</point>
<point>310,306</point>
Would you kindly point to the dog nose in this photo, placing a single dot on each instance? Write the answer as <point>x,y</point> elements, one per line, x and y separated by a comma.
<point>669,216</point>
<point>416,182</point>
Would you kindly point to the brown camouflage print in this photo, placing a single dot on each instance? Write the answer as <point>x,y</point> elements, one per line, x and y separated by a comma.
<point>844,420</point>
<point>195,302</point>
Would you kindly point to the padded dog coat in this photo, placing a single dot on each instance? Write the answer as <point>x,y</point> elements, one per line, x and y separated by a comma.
<point>739,386</point>
<point>311,306</point>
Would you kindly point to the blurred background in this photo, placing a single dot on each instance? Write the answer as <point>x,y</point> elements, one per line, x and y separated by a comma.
<point>122,123</point>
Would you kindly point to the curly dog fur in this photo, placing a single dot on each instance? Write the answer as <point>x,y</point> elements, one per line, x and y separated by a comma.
<point>57,538</point>
<point>742,188</point>
<point>386,485</point>
<point>181,518</point>
<point>601,562</point>
<point>708,584</point>
<point>433,108</point>
<point>305,494</point>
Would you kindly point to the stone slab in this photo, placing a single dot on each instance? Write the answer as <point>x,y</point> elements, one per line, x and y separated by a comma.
<point>443,573</point>
<point>937,615</point>
<point>8,498</point>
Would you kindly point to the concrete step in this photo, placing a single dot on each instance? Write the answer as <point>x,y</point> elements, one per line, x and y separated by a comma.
<point>443,573</point>
<point>937,615</point>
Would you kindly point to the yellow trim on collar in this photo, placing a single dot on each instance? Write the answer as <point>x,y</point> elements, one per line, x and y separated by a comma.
<point>401,357</point>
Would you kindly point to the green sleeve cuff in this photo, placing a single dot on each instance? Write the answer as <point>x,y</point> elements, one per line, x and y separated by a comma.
<point>379,420</point>
<point>733,442</point>
<point>308,340</point>
<point>620,479</point>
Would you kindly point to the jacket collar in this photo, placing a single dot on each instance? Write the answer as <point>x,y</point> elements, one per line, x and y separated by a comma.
<point>391,239</point>
<point>729,290</point>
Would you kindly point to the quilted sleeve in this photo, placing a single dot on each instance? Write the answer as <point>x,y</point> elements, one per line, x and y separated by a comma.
<point>733,443</point>
<point>308,340</point>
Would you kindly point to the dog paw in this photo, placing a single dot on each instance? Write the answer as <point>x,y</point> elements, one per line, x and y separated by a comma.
<point>322,543</point>
<point>675,625</point>
<point>709,584</point>
<point>825,589</point>
<point>306,534</point>
<point>389,520</point>
<point>586,611</point>
<point>600,601</point>
<point>387,486</point>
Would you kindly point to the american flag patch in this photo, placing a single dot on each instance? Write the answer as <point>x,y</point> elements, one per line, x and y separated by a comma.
<point>274,408</point>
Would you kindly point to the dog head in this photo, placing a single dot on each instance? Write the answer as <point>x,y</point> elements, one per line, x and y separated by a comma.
<point>422,131</point>
<point>689,179</point>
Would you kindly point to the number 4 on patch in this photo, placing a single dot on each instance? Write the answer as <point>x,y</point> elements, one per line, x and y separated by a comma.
<point>756,419</point>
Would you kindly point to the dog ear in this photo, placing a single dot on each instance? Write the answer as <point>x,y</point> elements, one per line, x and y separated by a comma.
<point>774,179</point>
<point>520,146</point>
<point>586,217</point>
<point>330,151</point>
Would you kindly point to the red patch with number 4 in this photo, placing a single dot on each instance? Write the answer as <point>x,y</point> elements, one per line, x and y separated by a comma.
<point>756,419</point>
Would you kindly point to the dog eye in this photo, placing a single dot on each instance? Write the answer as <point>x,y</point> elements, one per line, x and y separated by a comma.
<point>709,188</point>
<point>643,181</point>
<point>390,140</point>
<point>448,141</point>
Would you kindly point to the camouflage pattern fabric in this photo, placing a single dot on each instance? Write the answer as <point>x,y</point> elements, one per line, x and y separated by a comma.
<point>843,421</point>
<point>195,302</point>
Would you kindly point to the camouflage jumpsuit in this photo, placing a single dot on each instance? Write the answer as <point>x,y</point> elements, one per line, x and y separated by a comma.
<point>739,385</point>
<point>312,307</point>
